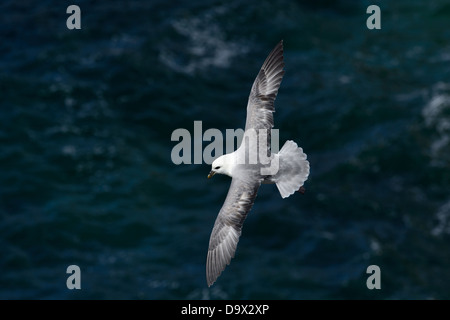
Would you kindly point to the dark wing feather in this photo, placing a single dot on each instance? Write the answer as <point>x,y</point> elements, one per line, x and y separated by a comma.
<point>260,105</point>
<point>228,226</point>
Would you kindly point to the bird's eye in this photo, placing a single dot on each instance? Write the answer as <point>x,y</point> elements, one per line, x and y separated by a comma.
<point>217,168</point>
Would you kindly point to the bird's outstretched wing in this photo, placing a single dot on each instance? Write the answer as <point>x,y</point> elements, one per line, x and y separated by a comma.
<point>228,226</point>
<point>260,106</point>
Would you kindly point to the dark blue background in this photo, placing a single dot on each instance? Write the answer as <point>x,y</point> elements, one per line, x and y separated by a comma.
<point>86,176</point>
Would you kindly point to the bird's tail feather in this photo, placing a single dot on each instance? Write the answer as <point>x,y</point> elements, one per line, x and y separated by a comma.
<point>294,169</point>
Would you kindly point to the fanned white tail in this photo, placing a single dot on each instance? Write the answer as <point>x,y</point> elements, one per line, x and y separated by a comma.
<point>294,169</point>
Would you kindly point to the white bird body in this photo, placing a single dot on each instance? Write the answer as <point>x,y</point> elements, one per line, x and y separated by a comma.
<point>252,164</point>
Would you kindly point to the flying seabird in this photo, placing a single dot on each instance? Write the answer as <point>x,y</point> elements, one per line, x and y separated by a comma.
<point>288,168</point>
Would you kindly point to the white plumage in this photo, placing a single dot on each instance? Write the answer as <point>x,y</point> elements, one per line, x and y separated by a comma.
<point>291,164</point>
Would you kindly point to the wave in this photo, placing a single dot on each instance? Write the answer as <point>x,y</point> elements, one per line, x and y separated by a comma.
<point>436,114</point>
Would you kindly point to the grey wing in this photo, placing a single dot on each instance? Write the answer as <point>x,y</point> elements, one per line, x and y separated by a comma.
<point>228,226</point>
<point>260,105</point>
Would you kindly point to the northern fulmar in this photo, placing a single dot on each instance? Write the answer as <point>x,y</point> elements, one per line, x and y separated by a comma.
<point>288,168</point>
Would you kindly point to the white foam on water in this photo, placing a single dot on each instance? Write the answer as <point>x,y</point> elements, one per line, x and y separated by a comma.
<point>208,45</point>
<point>443,217</point>
<point>436,114</point>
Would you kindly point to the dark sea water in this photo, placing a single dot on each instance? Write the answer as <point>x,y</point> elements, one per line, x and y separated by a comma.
<point>86,176</point>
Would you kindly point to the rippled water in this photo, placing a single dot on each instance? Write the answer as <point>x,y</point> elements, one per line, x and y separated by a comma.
<point>86,177</point>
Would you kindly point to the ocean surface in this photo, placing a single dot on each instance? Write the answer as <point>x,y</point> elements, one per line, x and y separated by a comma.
<point>87,179</point>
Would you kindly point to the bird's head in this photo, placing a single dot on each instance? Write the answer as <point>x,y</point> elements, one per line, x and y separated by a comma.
<point>220,165</point>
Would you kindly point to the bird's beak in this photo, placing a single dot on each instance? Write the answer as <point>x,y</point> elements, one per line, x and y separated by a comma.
<point>211,174</point>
